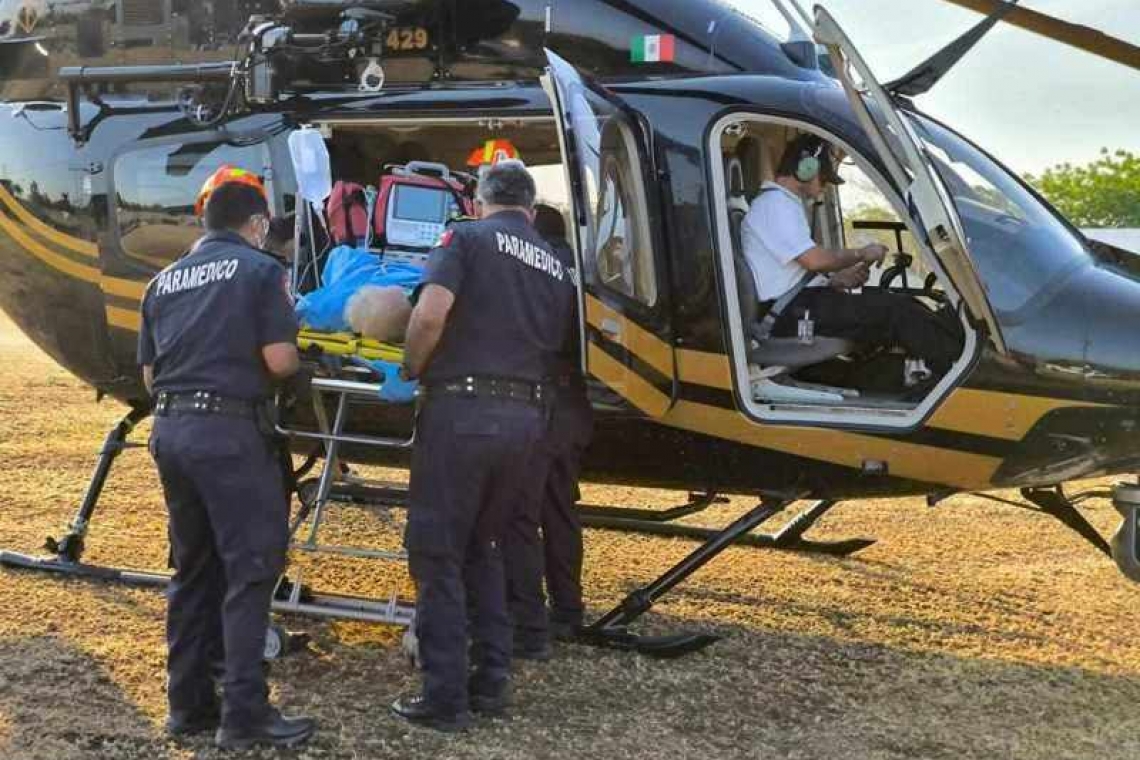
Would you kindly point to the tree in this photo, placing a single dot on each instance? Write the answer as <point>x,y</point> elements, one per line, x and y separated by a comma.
<point>1103,193</point>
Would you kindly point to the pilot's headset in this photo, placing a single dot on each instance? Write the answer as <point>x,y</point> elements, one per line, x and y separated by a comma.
<point>810,163</point>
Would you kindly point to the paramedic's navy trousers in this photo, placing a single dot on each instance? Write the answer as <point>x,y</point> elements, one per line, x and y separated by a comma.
<point>471,468</point>
<point>557,553</point>
<point>228,509</point>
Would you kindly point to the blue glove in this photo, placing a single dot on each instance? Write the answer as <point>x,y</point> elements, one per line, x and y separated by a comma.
<point>393,389</point>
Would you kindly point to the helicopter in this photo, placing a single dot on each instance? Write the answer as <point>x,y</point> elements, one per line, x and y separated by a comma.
<point>655,123</point>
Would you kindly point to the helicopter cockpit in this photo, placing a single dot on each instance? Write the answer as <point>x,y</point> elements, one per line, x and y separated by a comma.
<point>819,370</point>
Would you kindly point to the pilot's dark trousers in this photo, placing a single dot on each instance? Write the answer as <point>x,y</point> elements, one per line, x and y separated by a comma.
<point>877,317</point>
<point>557,553</point>
<point>471,466</point>
<point>228,509</point>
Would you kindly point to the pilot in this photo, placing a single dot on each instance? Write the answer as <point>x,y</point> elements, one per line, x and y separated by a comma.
<point>557,556</point>
<point>777,242</point>
<point>217,331</point>
<point>493,311</point>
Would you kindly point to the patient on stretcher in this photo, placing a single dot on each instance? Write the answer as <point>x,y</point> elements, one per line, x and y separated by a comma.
<point>380,313</point>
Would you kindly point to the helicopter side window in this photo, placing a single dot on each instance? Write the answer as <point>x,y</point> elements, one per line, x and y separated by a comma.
<point>155,191</point>
<point>621,236</point>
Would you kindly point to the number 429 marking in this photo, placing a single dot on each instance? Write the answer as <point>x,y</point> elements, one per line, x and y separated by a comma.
<point>407,38</point>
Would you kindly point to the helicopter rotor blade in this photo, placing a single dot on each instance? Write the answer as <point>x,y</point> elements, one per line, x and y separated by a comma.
<point>924,76</point>
<point>1081,37</point>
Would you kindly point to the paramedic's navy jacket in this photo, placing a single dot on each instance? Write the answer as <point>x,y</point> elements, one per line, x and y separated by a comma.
<point>205,320</point>
<point>471,464</point>
<point>513,305</point>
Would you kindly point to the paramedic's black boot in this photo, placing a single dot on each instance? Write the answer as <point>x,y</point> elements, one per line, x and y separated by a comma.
<point>538,650</point>
<point>187,724</point>
<point>487,696</point>
<point>416,709</point>
<point>275,730</point>
<point>565,631</point>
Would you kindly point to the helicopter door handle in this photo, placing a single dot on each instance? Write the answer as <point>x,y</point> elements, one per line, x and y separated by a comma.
<point>611,328</point>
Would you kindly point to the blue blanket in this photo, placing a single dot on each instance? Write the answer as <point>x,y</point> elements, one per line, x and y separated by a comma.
<point>346,271</point>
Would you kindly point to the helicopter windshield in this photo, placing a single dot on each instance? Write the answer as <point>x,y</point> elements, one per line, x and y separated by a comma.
<point>1018,244</point>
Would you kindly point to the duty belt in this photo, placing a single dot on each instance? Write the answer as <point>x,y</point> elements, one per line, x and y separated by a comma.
<point>490,387</point>
<point>202,402</point>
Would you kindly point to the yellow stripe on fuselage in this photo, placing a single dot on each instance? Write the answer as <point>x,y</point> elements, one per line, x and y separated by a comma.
<point>129,289</point>
<point>637,340</point>
<point>52,259</point>
<point>703,368</point>
<point>905,460</point>
<point>70,242</point>
<point>632,386</point>
<point>995,414</point>
<point>124,319</point>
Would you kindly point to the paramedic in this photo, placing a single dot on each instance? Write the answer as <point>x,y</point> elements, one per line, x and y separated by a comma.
<point>279,239</point>
<point>217,330</point>
<point>558,555</point>
<point>493,311</point>
<point>782,255</point>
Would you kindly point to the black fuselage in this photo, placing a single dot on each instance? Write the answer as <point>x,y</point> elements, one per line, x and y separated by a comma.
<point>1060,403</point>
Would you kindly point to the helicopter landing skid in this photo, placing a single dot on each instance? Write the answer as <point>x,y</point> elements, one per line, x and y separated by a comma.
<point>661,523</point>
<point>611,630</point>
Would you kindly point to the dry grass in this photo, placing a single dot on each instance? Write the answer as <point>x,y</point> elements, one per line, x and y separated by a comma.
<point>971,630</point>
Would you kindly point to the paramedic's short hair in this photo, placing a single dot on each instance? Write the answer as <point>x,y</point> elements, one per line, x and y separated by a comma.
<point>232,204</point>
<point>507,183</point>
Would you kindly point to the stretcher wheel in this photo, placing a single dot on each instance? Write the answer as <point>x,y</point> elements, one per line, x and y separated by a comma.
<point>276,643</point>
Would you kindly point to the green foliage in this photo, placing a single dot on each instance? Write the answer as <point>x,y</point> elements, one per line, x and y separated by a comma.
<point>1104,193</point>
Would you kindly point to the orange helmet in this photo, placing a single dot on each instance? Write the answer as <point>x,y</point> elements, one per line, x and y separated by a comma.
<point>227,173</point>
<point>492,152</point>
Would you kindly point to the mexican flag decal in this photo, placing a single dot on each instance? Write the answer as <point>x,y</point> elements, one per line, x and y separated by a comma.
<point>652,48</point>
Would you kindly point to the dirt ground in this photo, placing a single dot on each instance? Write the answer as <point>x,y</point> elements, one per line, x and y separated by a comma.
<point>968,630</point>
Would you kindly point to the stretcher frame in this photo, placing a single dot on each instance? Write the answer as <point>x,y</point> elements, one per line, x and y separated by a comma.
<point>330,435</point>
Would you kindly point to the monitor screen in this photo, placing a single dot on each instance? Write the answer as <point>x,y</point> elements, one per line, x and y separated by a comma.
<point>421,204</point>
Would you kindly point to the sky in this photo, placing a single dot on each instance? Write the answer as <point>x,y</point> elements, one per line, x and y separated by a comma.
<point>1029,100</point>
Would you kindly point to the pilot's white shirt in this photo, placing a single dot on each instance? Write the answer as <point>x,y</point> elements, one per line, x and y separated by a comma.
<point>774,233</point>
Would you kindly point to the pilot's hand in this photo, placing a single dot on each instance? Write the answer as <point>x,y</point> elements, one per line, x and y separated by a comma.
<point>851,277</point>
<point>873,253</point>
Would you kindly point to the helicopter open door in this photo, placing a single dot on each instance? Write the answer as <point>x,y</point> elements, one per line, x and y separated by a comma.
<point>609,159</point>
<point>911,169</point>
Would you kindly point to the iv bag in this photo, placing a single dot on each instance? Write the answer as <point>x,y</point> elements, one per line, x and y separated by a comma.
<point>311,165</point>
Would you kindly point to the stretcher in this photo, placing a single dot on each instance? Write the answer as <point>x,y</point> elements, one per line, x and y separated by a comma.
<point>347,384</point>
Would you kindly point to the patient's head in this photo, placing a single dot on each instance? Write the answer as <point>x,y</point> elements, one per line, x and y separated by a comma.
<point>380,313</point>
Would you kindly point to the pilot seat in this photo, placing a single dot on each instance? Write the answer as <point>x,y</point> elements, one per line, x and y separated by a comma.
<point>772,361</point>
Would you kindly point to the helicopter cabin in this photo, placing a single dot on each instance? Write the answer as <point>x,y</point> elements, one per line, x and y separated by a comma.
<point>818,377</point>
<point>814,374</point>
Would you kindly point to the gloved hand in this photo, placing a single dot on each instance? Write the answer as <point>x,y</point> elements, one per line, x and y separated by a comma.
<point>394,389</point>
